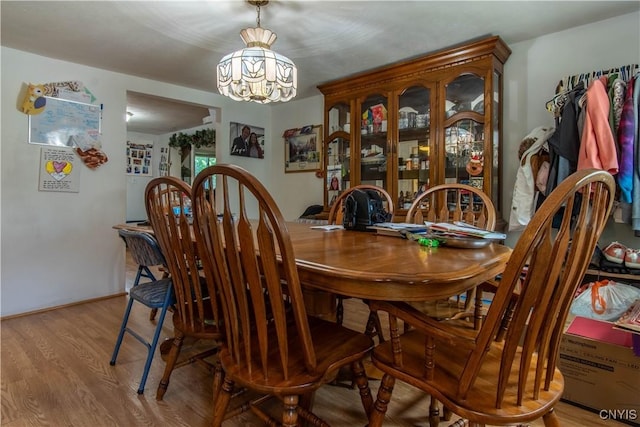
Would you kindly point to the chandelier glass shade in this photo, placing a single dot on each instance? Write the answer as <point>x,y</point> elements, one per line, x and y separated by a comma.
<point>256,73</point>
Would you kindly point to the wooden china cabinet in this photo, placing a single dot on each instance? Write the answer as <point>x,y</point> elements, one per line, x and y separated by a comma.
<point>418,123</point>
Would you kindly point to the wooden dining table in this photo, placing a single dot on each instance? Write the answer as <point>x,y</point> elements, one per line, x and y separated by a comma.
<point>370,266</point>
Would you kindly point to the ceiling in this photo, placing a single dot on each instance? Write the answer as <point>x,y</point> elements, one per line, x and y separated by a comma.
<point>181,42</point>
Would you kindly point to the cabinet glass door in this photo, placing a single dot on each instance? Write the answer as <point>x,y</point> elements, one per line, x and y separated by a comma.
<point>338,167</point>
<point>465,131</point>
<point>413,154</point>
<point>373,141</point>
<point>337,157</point>
<point>339,117</point>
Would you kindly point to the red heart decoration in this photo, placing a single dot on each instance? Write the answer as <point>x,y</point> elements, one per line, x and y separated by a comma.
<point>59,166</point>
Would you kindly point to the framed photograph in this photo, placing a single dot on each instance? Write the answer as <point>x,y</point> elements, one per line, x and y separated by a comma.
<point>302,149</point>
<point>246,140</point>
<point>139,157</point>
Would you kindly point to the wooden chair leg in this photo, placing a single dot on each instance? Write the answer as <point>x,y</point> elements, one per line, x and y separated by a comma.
<point>290,411</point>
<point>218,378</point>
<point>153,313</point>
<point>374,326</point>
<point>360,379</point>
<point>222,402</point>
<point>446,413</point>
<point>551,419</point>
<point>171,362</point>
<point>339,310</point>
<point>477,310</point>
<point>379,409</point>
<point>434,412</point>
<point>506,320</point>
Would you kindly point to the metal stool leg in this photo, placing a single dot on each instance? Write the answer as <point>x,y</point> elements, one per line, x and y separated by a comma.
<point>152,347</point>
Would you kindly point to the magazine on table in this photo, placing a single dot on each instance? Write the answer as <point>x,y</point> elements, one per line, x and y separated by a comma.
<point>397,229</point>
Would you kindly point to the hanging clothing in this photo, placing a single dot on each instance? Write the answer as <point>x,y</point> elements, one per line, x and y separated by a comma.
<point>617,88</point>
<point>597,147</point>
<point>564,144</point>
<point>627,139</point>
<point>635,204</point>
<point>524,190</point>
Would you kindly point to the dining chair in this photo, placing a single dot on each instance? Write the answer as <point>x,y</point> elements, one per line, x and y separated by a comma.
<point>457,202</point>
<point>514,380</point>
<point>336,212</point>
<point>155,294</point>
<point>196,310</point>
<point>272,346</point>
<point>337,208</point>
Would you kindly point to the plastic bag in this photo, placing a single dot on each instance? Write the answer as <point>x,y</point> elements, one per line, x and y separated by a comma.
<point>604,300</point>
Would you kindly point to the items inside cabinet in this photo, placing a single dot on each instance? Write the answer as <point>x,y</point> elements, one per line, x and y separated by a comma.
<point>337,158</point>
<point>373,141</point>
<point>425,121</point>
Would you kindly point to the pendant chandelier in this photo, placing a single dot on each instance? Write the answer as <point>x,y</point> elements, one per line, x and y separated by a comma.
<point>257,73</point>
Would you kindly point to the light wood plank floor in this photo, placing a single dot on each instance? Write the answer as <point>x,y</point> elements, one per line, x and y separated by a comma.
<point>55,372</point>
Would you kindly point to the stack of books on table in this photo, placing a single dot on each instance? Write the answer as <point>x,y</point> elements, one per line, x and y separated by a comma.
<point>462,230</point>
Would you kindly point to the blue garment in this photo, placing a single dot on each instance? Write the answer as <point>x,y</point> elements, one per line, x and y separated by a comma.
<point>627,141</point>
<point>635,203</point>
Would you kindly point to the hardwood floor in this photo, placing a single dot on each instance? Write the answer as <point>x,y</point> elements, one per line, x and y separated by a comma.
<point>55,372</point>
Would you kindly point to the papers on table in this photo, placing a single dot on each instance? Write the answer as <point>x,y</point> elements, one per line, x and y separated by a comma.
<point>327,227</point>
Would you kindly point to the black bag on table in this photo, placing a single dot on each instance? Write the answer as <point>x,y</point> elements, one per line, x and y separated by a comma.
<point>363,208</point>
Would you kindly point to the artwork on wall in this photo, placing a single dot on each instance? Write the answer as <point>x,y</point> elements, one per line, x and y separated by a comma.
<point>139,157</point>
<point>61,114</point>
<point>58,171</point>
<point>246,140</point>
<point>302,149</point>
<point>163,165</point>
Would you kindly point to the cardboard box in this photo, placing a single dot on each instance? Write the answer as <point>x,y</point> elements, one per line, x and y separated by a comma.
<point>600,370</point>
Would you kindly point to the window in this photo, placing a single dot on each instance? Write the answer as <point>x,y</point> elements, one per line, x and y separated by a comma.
<point>203,161</point>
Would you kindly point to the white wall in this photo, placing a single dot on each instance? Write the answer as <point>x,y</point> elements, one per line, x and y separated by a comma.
<point>59,248</point>
<point>295,191</point>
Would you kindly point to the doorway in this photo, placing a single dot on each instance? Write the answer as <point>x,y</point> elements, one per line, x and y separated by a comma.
<point>150,121</point>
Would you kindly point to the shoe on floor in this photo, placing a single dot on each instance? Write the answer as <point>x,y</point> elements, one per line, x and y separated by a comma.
<point>615,252</point>
<point>632,258</point>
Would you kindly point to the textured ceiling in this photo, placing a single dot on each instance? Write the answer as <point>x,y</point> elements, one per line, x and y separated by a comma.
<point>181,42</point>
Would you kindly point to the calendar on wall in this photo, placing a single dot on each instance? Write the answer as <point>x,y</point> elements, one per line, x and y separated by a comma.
<point>139,156</point>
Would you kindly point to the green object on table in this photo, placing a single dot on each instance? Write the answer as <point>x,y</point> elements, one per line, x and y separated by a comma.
<point>431,243</point>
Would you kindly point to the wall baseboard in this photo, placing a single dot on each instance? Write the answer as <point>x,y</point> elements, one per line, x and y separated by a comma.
<point>57,307</point>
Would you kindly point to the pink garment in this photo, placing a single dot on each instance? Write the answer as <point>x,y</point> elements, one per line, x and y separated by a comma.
<point>597,146</point>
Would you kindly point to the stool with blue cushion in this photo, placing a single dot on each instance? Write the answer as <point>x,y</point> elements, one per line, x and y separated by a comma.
<point>156,294</point>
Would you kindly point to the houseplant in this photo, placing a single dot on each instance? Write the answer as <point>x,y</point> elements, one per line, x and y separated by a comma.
<point>200,138</point>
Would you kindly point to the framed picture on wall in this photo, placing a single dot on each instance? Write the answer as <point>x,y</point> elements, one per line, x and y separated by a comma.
<point>246,140</point>
<point>302,149</point>
<point>139,156</point>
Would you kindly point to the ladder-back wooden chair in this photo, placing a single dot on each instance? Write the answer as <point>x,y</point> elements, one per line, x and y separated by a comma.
<point>196,313</point>
<point>272,346</point>
<point>457,202</point>
<point>335,217</point>
<point>514,380</point>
